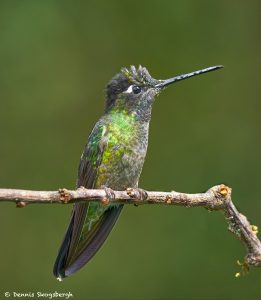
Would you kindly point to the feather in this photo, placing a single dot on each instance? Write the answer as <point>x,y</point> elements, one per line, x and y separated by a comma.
<point>80,244</point>
<point>96,238</point>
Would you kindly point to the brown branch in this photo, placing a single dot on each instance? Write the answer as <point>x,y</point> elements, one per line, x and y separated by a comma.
<point>216,198</point>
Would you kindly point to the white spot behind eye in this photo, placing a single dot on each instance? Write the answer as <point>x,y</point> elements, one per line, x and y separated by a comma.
<point>129,89</point>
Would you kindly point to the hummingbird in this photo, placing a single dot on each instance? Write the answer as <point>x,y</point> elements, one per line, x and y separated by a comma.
<point>112,159</point>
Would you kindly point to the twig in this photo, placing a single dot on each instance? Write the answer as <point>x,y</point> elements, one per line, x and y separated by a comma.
<point>216,198</point>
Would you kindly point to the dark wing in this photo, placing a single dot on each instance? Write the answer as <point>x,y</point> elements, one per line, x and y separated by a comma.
<point>75,251</point>
<point>86,177</point>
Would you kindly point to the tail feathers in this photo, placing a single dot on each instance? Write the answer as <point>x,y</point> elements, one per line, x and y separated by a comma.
<point>60,262</point>
<point>94,241</point>
<point>97,238</point>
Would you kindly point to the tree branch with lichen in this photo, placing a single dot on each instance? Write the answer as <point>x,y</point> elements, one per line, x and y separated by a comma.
<point>216,198</point>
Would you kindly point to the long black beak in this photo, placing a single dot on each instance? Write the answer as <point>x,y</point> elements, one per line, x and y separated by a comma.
<point>164,83</point>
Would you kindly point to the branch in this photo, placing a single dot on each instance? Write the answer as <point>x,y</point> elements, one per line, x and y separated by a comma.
<point>216,198</point>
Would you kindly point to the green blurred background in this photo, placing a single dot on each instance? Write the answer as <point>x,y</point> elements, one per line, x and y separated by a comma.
<point>55,59</point>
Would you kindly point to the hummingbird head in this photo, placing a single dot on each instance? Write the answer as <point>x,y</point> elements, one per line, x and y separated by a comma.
<point>134,90</point>
<point>131,89</point>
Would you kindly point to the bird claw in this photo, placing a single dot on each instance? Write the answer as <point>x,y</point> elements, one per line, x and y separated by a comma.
<point>137,193</point>
<point>110,195</point>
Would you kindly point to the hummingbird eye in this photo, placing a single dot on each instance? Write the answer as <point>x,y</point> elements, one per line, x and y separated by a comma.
<point>136,89</point>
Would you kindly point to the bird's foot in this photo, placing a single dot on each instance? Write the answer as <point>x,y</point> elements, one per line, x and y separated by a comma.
<point>137,193</point>
<point>110,195</point>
